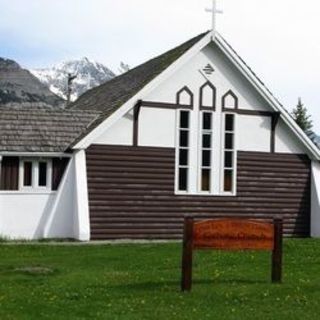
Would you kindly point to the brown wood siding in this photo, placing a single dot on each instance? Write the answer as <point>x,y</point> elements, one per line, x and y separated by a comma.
<point>131,193</point>
<point>58,168</point>
<point>9,172</point>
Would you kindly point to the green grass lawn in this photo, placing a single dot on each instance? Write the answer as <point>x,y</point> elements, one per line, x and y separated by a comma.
<point>143,282</point>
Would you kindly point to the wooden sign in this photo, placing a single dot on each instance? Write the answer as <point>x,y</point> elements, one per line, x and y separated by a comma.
<point>231,234</point>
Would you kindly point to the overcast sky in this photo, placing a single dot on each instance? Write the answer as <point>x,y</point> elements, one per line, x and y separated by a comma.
<point>280,40</point>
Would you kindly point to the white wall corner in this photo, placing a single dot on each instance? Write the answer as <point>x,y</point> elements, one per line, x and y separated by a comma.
<point>60,221</point>
<point>81,209</point>
<point>315,199</point>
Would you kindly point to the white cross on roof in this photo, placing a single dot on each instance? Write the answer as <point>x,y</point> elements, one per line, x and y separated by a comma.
<point>214,12</point>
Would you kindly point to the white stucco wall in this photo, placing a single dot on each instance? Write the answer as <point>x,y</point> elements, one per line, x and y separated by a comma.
<point>121,133</point>
<point>61,218</point>
<point>157,127</point>
<point>60,214</point>
<point>23,215</point>
<point>315,199</point>
<point>225,78</point>
<point>81,199</point>
<point>286,142</point>
<point>253,133</point>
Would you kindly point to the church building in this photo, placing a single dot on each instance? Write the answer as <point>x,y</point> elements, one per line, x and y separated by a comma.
<point>193,131</point>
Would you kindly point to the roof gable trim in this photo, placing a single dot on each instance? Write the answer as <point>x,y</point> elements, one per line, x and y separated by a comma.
<point>266,94</point>
<point>238,63</point>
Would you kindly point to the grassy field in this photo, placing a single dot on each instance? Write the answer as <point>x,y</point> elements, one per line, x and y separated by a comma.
<point>142,282</point>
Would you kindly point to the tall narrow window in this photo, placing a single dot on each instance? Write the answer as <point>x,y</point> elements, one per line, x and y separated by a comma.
<point>27,174</point>
<point>206,151</point>
<point>229,153</point>
<point>42,174</point>
<point>183,150</point>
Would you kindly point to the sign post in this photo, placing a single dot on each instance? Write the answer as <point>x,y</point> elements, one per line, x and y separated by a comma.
<point>277,251</point>
<point>231,234</point>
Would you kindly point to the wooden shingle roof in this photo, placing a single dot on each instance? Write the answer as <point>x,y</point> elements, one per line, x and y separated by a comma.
<point>41,129</point>
<point>111,95</point>
<point>24,129</point>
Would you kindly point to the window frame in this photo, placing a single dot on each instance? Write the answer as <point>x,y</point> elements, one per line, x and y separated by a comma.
<point>177,152</point>
<point>223,153</point>
<point>200,150</point>
<point>35,175</point>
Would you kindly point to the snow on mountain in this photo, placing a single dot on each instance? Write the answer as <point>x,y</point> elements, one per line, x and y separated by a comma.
<point>89,75</point>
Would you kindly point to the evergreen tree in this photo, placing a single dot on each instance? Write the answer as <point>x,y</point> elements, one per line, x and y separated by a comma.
<point>301,117</point>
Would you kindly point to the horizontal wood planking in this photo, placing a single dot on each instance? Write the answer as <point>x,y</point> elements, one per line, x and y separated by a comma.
<point>131,193</point>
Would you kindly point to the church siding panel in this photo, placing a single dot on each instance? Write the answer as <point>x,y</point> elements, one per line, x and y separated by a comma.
<point>131,192</point>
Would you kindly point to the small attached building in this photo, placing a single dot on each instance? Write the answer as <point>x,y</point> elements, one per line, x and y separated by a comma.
<point>193,131</point>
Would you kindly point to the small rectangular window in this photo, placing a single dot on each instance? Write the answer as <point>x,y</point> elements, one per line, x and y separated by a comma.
<point>42,174</point>
<point>184,119</point>
<point>206,158</point>
<point>183,179</point>
<point>229,141</point>
<point>229,122</point>
<point>27,174</point>
<point>228,159</point>
<point>205,177</point>
<point>183,157</point>
<point>228,180</point>
<point>206,140</point>
<point>206,124</point>
<point>35,174</point>
<point>184,138</point>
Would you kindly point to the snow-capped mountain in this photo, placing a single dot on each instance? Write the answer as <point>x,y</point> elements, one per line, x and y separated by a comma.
<point>19,87</point>
<point>89,75</point>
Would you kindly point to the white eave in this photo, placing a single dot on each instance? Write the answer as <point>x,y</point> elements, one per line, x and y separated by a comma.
<point>36,154</point>
<point>264,92</point>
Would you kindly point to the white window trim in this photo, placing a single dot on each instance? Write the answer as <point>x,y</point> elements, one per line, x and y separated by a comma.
<point>177,153</point>
<point>194,183</point>
<point>200,149</point>
<point>35,176</point>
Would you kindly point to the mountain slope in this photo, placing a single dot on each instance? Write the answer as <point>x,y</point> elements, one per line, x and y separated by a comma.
<point>89,75</point>
<point>19,87</point>
<point>315,138</point>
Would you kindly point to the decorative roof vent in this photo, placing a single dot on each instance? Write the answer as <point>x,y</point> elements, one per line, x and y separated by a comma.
<point>208,69</point>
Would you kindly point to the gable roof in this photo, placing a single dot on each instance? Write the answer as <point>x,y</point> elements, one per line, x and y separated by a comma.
<point>41,129</point>
<point>116,97</point>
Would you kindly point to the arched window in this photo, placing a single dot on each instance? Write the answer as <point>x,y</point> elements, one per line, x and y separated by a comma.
<point>207,96</point>
<point>229,101</point>
<point>185,97</point>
